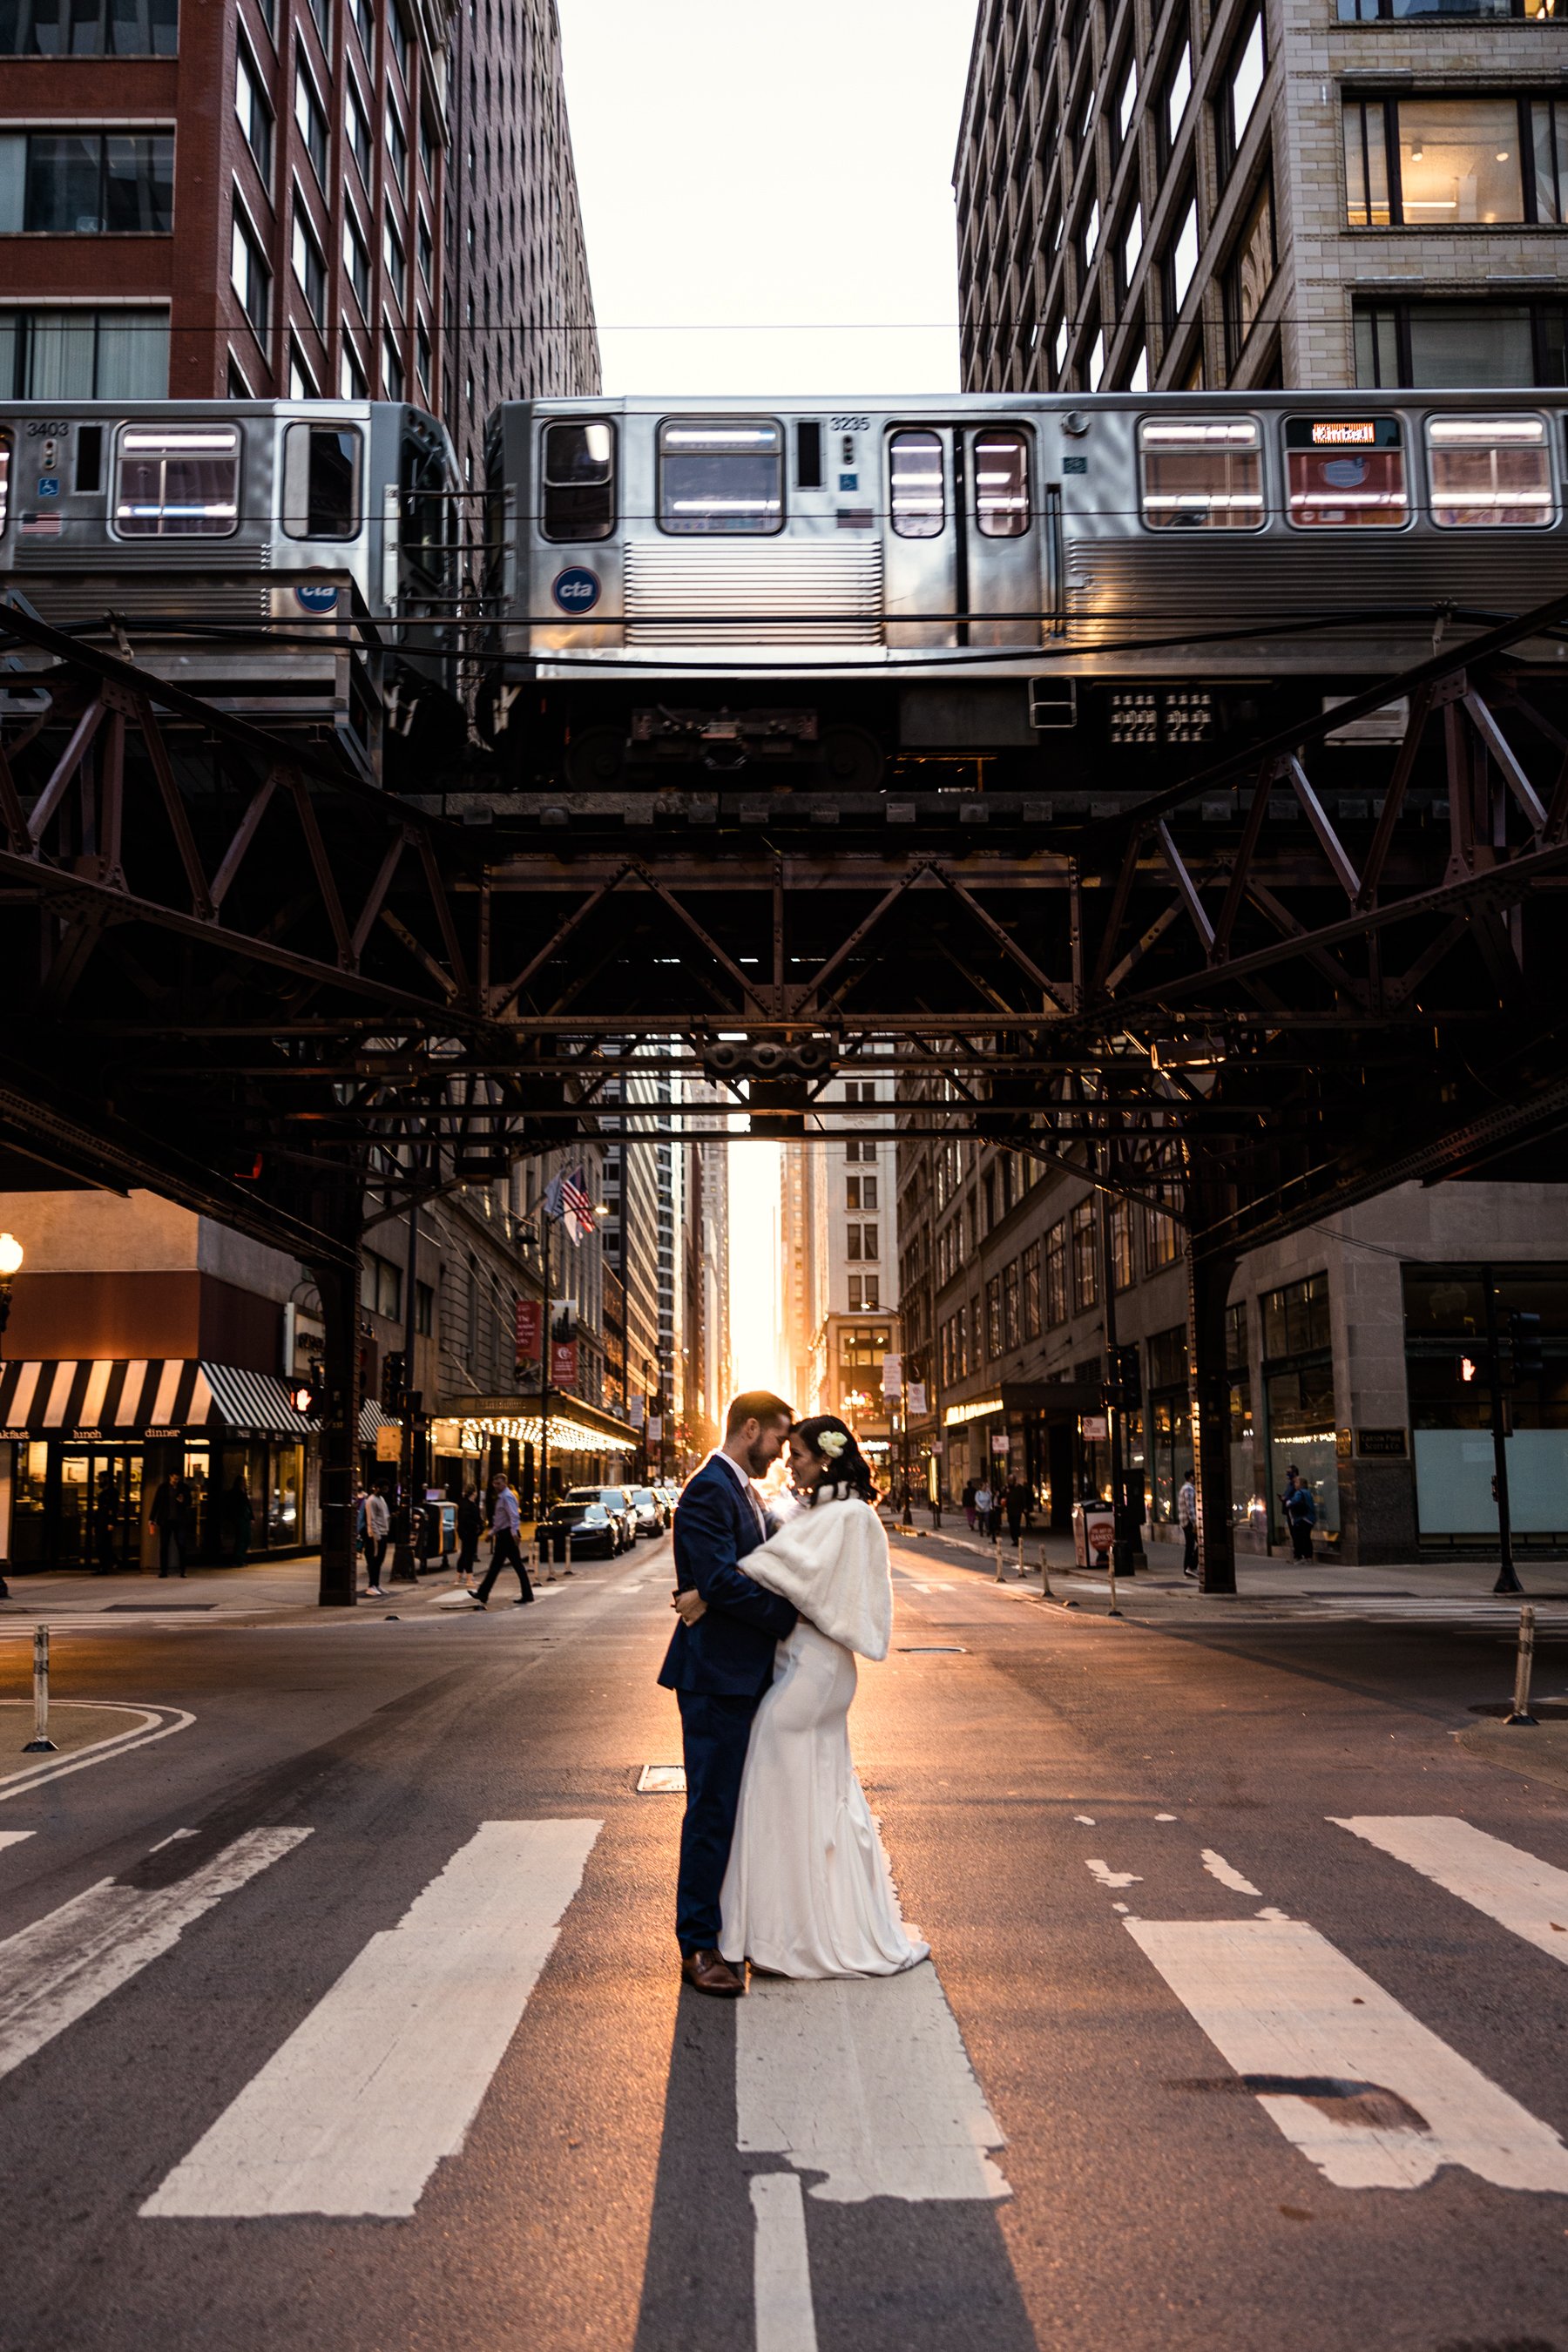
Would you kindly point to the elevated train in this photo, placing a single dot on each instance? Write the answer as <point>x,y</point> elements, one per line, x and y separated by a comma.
<point>290,560</point>
<point>822,588</point>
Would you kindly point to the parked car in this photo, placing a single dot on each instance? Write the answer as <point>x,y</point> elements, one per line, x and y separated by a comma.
<point>650,1511</point>
<point>616,1501</point>
<point>595,1534</point>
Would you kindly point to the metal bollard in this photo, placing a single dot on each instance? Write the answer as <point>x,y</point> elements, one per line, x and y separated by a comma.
<point>1021,1570</point>
<point>1522,1668</point>
<point>546,1558</point>
<point>1110,1566</point>
<point>996,1540</point>
<point>40,1743</point>
<point>568,1570</point>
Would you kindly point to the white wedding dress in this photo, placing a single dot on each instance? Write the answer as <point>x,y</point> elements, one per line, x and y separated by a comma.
<point>809,1891</point>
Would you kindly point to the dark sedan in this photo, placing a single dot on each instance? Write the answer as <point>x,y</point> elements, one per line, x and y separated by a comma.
<point>593,1533</point>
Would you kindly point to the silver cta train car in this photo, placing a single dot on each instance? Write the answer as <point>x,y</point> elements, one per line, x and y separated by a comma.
<point>829,587</point>
<point>290,560</point>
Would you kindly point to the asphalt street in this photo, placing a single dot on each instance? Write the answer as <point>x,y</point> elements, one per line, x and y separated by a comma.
<point>346,2015</point>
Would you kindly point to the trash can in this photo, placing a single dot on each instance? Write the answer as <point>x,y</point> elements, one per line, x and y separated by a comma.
<point>1093,1533</point>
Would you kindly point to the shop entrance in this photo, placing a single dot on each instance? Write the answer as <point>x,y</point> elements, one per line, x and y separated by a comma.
<point>99,1523</point>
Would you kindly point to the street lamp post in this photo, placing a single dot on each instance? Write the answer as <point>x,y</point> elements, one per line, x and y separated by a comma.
<point>11,1256</point>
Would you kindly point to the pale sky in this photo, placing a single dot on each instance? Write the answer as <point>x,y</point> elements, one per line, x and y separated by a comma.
<point>767,194</point>
<point>767,191</point>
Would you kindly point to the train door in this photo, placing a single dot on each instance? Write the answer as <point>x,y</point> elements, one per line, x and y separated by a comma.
<point>963,565</point>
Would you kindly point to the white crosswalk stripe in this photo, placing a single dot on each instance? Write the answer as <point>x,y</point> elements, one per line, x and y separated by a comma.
<point>55,1971</point>
<point>354,2112</point>
<point>1527,1897</point>
<point>14,1837</point>
<point>1368,2093</point>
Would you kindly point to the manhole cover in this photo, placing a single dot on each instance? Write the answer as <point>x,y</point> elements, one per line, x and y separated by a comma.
<point>932,1650</point>
<point>163,1608</point>
<point>662,1780</point>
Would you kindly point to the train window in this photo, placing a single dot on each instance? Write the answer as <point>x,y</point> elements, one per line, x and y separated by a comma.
<point>89,458</point>
<point>1201,473</point>
<point>321,481</point>
<point>579,481</point>
<point>1000,484</point>
<point>726,474</point>
<point>1488,471</point>
<point>808,455</point>
<point>427,510</point>
<point>5,480</point>
<point>915,476</point>
<point>1346,473</point>
<point>177,481</point>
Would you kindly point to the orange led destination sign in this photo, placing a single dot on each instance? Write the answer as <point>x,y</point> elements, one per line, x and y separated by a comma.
<point>1338,435</point>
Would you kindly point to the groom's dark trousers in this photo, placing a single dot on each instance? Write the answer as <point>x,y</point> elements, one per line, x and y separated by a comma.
<point>718,1669</point>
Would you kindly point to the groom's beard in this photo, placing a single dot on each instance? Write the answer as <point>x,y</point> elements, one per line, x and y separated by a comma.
<point>759,1460</point>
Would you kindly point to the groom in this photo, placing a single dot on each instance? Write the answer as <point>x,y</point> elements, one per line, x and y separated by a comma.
<point>720,1667</point>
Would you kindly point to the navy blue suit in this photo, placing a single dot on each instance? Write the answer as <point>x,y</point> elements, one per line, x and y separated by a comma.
<point>718,1669</point>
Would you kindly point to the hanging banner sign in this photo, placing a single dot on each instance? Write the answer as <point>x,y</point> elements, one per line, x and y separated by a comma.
<point>916,1396</point>
<point>892,1375</point>
<point>530,1330</point>
<point>563,1363</point>
<point>656,1430</point>
<point>637,1411</point>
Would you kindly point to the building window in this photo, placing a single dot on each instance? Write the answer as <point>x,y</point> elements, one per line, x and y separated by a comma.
<point>395,260</point>
<point>1296,1319</point>
<point>1243,86</point>
<point>852,1243</point>
<point>1125,102</point>
<point>1369,12</point>
<point>391,365</point>
<point>1251,272</point>
<point>1124,1273</point>
<point>1182,261</point>
<point>1031,1292</point>
<point>861,1191</point>
<point>1488,471</point>
<point>255,115</point>
<point>720,476</point>
<point>1056,1277</point>
<point>1439,162</point>
<point>396,147</point>
<point>90,29</point>
<point>399,33</point>
<point>579,481</point>
<point>993,1344</point>
<point>252,280</point>
<point>309,269</point>
<point>1344,474</point>
<point>1548,159</point>
<point>422,355</point>
<point>300,385</point>
<point>1000,484</point>
<point>1433,345</point>
<point>177,481</point>
<point>356,259</point>
<point>310,117</point>
<point>1177,91</point>
<point>1299,1393</point>
<point>84,355</point>
<point>426,247</point>
<point>1085,1265</point>
<point>1162,1239</point>
<point>869,1233</point>
<point>358,125</point>
<point>1010,1305</point>
<point>425,1309</point>
<point>1201,473</point>
<point>917,486</point>
<point>1129,247</point>
<point>87,182</point>
<point>873,1291</point>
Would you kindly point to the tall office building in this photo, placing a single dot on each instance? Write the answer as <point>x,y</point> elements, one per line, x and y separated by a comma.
<point>289,199</point>
<point>631,1228</point>
<point>1263,192</point>
<point>707,1335</point>
<point>840,1257</point>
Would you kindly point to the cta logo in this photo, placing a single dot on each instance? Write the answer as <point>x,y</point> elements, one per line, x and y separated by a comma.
<point>317,595</point>
<point>576,589</point>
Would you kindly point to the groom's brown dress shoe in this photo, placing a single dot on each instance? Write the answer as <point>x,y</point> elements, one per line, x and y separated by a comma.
<point>711,1972</point>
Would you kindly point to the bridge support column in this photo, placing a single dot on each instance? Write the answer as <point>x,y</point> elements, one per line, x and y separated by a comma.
<point>339,1285</point>
<point>1208,1382</point>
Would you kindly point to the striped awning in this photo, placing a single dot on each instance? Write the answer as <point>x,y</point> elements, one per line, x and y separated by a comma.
<point>156,1396</point>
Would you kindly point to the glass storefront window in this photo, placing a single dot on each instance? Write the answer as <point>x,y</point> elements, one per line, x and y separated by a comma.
<point>1302,1438</point>
<point>27,1506</point>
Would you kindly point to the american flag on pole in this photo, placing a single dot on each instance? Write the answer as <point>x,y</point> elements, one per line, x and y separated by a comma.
<point>567,1199</point>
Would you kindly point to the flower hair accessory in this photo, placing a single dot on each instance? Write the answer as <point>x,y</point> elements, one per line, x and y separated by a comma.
<point>832,1442</point>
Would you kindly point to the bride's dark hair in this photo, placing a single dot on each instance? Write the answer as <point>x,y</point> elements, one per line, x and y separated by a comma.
<point>849,1472</point>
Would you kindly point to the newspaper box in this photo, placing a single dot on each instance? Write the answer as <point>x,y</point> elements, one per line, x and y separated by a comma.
<point>1093,1532</point>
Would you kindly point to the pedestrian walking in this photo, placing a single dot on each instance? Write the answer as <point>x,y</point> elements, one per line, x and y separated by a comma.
<point>1019,1502</point>
<point>969,1486</point>
<point>470,1527</point>
<point>1187,1520</point>
<point>377,1527</point>
<point>241,1518</point>
<point>162,1515</point>
<point>505,1523</point>
<point>1301,1510</point>
<point>105,1519</point>
<point>983,1504</point>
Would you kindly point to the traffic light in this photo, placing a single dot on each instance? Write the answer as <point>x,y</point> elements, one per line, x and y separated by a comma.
<point>394,1380</point>
<point>1524,1332</point>
<point>1123,1392</point>
<point>308,1395</point>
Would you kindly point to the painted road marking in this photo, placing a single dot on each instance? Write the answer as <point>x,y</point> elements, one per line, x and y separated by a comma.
<point>14,1837</point>
<point>164,1722</point>
<point>781,2267</point>
<point>1108,1877</point>
<point>1363,2089</point>
<point>1527,1897</point>
<point>868,2081</point>
<point>63,1965</point>
<point>354,2112</point>
<point>1228,1875</point>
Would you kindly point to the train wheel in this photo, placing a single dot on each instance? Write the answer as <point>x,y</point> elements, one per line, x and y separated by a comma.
<point>852,758</point>
<point>596,759</point>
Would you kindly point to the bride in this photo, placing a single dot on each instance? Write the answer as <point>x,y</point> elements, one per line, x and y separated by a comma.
<point>808,1892</point>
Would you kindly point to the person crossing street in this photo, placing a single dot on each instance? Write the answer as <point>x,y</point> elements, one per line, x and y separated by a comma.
<point>505,1552</point>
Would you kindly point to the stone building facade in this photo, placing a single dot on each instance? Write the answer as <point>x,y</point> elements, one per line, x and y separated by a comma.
<point>1184,195</point>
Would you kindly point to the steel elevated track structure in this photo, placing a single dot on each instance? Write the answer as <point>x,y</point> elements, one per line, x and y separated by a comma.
<point>1238,893</point>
